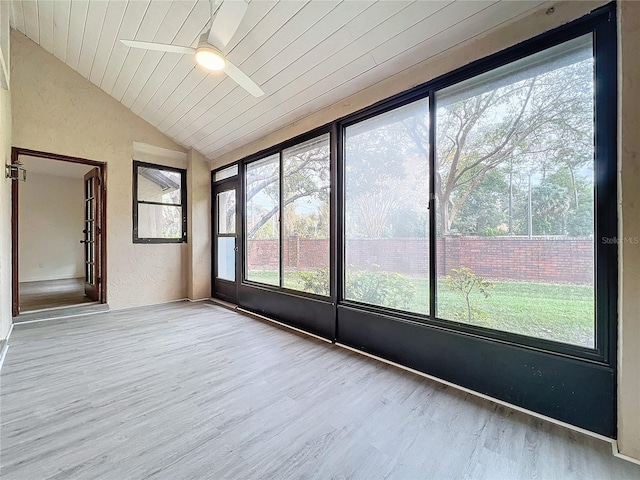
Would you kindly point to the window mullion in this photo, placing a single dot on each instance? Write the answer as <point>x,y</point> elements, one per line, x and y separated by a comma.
<point>432,206</point>
<point>280,219</point>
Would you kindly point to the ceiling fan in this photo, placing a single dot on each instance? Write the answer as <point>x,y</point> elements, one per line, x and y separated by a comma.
<point>224,23</point>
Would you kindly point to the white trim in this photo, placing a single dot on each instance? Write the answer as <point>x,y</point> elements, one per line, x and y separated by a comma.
<point>257,315</point>
<point>197,299</point>
<point>3,354</point>
<point>49,278</point>
<point>223,303</point>
<point>616,453</point>
<point>486,397</point>
<point>63,307</point>
<point>63,317</point>
<point>148,304</point>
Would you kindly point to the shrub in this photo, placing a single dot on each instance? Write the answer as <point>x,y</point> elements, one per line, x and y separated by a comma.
<point>315,282</point>
<point>464,281</point>
<point>391,290</point>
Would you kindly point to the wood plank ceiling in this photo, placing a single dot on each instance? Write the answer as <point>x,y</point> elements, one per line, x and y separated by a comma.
<point>305,55</point>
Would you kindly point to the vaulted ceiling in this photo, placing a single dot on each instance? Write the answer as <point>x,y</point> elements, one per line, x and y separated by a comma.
<point>305,55</point>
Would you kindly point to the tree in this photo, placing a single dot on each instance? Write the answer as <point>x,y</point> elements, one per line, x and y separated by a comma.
<point>384,176</point>
<point>538,122</point>
<point>549,204</point>
<point>306,176</point>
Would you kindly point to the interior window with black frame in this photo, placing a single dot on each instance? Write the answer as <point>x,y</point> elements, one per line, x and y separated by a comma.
<point>159,204</point>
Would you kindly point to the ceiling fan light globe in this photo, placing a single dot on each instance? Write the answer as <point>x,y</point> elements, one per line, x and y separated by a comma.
<point>209,59</point>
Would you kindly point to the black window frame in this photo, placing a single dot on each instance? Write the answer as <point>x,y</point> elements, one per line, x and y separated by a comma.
<point>183,202</point>
<point>601,24</point>
<point>573,384</point>
<point>277,150</point>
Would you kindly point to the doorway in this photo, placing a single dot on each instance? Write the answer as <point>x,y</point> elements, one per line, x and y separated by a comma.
<point>58,227</point>
<point>225,238</point>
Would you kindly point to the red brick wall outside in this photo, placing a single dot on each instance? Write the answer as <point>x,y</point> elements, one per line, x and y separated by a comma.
<point>537,259</point>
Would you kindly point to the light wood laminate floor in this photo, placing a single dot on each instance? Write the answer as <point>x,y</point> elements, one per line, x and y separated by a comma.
<point>52,294</point>
<point>192,390</point>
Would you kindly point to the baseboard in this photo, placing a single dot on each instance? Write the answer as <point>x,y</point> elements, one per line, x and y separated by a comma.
<point>150,304</point>
<point>4,346</point>
<point>262,317</point>
<point>616,453</point>
<point>60,313</point>
<point>50,279</point>
<point>612,441</point>
<point>483,396</point>
<point>222,303</point>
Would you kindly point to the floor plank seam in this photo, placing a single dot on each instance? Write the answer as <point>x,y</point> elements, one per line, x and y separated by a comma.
<point>192,390</point>
<point>612,441</point>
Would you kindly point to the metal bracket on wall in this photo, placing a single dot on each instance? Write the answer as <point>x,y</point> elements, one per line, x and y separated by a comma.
<point>16,172</point>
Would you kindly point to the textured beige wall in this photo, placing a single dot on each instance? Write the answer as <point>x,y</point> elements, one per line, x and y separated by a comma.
<point>56,110</point>
<point>199,226</point>
<point>494,41</point>
<point>629,161</point>
<point>5,215</point>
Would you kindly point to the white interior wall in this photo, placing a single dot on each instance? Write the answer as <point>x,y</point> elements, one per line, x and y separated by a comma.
<point>5,183</point>
<point>50,224</point>
<point>629,224</point>
<point>5,215</point>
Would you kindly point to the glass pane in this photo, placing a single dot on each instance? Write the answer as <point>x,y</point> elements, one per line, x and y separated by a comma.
<point>160,186</point>
<point>515,197</point>
<point>263,220</point>
<point>88,188</point>
<point>159,221</point>
<point>227,211</point>
<point>227,258</point>
<point>307,187</point>
<point>88,204</point>
<point>226,173</point>
<point>386,208</point>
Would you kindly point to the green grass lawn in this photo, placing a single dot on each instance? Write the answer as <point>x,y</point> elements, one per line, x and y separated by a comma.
<point>563,313</point>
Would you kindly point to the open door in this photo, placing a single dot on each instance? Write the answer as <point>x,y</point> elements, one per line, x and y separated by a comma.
<point>92,234</point>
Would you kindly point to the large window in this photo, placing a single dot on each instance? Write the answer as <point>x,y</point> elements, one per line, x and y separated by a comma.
<point>386,209</point>
<point>306,188</point>
<point>514,201</point>
<point>473,226</point>
<point>160,201</point>
<point>292,251</point>
<point>471,204</point>
<point>515,197</point>
<point>262,216</point>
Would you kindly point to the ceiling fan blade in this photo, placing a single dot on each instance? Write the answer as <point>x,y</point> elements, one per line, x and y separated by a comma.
<point>160,47</point>
<point>241,79</point>
<point>226,21</point>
